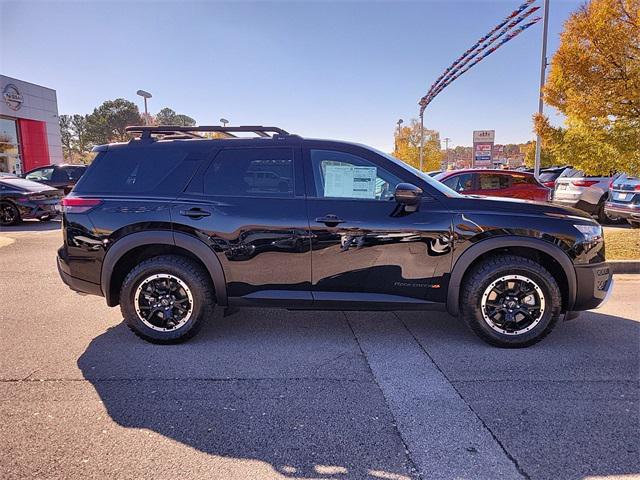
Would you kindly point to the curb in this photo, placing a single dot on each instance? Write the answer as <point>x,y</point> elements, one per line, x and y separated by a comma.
<point>624,266</point>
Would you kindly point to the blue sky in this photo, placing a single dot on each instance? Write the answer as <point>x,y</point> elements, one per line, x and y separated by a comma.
<point>345,70</point>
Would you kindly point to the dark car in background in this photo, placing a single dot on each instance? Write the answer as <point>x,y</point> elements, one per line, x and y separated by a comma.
<point>62,177</point>
<point>169,225</point>
<point>495,183</point>
<point>624,199</point>
<point>548,176</point>
<point>22,199</point>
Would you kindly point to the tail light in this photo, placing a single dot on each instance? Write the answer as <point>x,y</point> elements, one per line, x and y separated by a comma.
<point>79,204</point>
<point>611,184</point>
<point>549,184</point>
<point>583,183</point>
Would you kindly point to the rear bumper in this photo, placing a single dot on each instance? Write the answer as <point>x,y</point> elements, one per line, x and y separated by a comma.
<point>74,283</point>
<point>594,286</point>
<point>37,210</point>
<point>622,211</point>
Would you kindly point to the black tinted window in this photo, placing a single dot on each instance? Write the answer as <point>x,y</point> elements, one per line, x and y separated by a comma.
<point>74,173</point>
<point>138,170</point>
<point>251,172</point>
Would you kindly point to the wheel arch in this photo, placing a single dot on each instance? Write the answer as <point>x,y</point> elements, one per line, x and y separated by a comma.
<point>135,247</point>
<point>519,246</point>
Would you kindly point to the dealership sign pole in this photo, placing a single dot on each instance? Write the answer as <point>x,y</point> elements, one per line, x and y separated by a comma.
<point>474,55</point>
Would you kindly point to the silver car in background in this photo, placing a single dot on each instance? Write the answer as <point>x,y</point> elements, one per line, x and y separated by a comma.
<point>624,199</point>
<point>575,189</point>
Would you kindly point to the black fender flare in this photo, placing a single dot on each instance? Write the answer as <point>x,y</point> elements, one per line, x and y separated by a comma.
<point>138,239</point>
<point>472,253</point>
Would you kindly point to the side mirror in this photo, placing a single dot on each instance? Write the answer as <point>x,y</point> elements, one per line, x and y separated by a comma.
<point>408,195</point>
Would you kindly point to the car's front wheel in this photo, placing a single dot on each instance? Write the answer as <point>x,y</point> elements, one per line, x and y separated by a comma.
<point>166,299</point>
<point>510,301</point>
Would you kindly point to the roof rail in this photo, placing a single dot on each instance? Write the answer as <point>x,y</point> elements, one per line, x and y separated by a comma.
<point>181,132</point>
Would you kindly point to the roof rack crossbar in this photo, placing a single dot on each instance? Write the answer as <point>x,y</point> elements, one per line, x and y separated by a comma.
<point>146,131</point>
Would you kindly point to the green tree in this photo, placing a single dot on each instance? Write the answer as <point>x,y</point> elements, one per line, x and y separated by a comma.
<point>107,123</point>
<point>407,146</point>
<point>167,116</point>
<point>595,82</point>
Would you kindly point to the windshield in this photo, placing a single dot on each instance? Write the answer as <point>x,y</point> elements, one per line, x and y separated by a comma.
<point>441,187</point>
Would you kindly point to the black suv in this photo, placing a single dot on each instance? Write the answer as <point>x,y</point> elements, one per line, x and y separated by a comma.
<point>172,223</point>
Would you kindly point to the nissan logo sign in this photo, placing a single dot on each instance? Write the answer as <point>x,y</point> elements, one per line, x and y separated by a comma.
<point>12,97</point>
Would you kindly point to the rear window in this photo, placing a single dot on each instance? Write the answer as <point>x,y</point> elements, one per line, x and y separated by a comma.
<point>138,171</point>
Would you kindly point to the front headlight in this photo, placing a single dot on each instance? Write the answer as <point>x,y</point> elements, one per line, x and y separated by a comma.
<point>590,232</point>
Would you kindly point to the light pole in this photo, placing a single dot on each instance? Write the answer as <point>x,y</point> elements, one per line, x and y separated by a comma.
<point>399,122</point>
<point>446,146</point>
<point>543,68</point>
<point>421,137</point>
<point>224,122</point>
<point>145,95</point>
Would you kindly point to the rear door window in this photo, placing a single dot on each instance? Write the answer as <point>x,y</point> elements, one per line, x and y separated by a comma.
<point>460,183</point>
<point>251,172</point>
<point>40,175</point>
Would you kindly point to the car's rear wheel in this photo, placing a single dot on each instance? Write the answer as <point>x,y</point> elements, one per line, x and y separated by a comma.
<point>605,219</point>
<point>9,214</point>
<point>166,299</point>
<point>510,301</point>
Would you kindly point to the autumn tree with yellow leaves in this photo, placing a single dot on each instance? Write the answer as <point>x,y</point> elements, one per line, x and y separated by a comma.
<point>594,81</point>
<point>407,146</point>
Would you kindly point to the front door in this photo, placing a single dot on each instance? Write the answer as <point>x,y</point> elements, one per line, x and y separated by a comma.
<point>364,245</point>
<point>248,205</point>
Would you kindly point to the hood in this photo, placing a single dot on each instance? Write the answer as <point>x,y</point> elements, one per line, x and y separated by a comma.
<point>511,206</point>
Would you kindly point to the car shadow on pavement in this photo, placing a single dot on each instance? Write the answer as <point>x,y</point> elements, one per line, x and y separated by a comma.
<point>33,226</point>
<point>289,389</point>
<point>293,390</point>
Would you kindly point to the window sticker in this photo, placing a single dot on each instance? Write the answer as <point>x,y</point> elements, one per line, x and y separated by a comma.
<point>348,181</point>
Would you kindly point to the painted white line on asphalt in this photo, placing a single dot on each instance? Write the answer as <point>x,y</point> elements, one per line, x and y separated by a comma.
<point>445,439</point>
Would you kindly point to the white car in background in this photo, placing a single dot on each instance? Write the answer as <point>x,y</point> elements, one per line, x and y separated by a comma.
<point>573,188</point>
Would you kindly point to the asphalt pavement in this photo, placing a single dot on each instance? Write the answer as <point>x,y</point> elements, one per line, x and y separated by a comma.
<point>268,393</point>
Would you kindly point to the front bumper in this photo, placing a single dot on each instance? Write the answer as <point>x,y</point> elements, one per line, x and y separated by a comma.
<point>594,286</point>
<point>619,210</point>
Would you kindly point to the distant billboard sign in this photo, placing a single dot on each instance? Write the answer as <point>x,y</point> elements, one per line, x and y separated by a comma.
<point>483,147</point>
<point>484,136</point>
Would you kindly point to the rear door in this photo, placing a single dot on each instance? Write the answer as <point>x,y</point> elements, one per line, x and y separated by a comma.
<point>367,248</point>
<point>248,205</point>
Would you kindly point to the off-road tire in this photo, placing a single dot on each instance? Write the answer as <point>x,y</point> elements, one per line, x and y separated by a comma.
<point>481,277</point>
<point>188,271</point>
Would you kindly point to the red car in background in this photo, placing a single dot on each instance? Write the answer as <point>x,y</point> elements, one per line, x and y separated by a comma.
<point>496,183</point>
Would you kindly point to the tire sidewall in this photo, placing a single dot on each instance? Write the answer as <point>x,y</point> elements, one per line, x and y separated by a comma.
<point>550,315</point>
<point>127,302</point>
<point>16,219</point>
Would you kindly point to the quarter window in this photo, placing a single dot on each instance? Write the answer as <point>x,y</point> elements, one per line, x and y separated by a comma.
<point>491,181</point>
<point>251,172</point>
<point>343,175</point>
